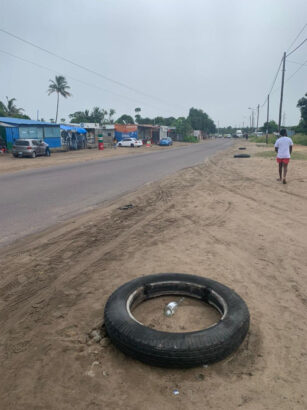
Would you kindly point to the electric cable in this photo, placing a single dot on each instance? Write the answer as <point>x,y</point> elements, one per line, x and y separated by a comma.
<point>293,42</point>
<point>297,47</point>
<point>119,83</point>
<point>76,79</point>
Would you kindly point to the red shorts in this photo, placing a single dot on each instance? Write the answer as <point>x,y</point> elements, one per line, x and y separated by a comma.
<point>283,160</point>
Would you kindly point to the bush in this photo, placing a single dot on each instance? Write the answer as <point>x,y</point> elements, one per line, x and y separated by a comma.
<point>191,138</point>
<point>299,139</point>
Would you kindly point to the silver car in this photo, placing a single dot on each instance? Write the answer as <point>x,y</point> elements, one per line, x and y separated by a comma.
<point>30,148</point>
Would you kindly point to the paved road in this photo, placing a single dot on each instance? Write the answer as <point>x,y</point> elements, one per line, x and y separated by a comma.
<point>33,200</point>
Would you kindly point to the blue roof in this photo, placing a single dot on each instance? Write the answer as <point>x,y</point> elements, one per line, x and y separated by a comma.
<point>71,128</point>
<point>21,121</point>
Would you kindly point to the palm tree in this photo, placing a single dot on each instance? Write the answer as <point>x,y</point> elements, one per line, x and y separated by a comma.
<point>10,108</point>
<point>59,86</point>
<point>111,113</point>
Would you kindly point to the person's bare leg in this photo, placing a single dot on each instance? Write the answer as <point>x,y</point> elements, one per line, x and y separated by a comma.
<point>285,173</point>
<point>280,171</point>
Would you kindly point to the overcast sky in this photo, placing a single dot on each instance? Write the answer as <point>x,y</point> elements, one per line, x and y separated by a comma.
<point>218,55</point>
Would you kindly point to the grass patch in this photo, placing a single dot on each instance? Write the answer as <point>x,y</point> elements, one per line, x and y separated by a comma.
<point>299,139</point>
<point>190,139</point>
<point>272,154</point>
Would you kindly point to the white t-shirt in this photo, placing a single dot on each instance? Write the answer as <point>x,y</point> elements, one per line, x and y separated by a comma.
<point>283,144</point>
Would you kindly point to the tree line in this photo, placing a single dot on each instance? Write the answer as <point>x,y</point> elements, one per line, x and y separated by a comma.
<point>197,119</point>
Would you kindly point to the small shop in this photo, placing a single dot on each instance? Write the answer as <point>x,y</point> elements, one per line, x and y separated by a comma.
<point>12,129</point>
<point>72,137</point>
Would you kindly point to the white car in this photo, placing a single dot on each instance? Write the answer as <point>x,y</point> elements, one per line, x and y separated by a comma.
<point>130,142</point>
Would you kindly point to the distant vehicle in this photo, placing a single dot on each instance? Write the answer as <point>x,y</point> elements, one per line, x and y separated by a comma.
<point>30,148</point>
<point>258,134</point>
<point>239,134</point>
<point>167,141</point>
<point>228,136</point>
<point>130,142</point>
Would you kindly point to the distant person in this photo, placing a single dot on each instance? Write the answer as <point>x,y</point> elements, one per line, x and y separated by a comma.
<point>246,136</point>
<point>283,147</point>
<point>114,142</point>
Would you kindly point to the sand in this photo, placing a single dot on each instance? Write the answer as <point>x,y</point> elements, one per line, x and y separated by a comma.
<point>227,219</point>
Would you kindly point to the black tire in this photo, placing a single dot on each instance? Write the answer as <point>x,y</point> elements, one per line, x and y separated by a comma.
<point>176,349</point>
<point>132,145</point>
<point>15,155</point>
<point>241,156</point>
<point>120,145</point>
<point>33,155</point>
<point>242,148</point>
<point>47,152</point>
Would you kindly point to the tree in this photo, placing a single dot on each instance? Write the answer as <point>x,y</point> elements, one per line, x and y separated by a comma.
<point>11,110</point>
<point>200,120</point>
<point>97,115</point>
<point>63,120</point>
<point>183,127</point>
<point>111,113</point>
<point>302,105</point>
<point>60,87</point>
<point>271,126</point>
<point>125,119</point>
<point>137,114</point>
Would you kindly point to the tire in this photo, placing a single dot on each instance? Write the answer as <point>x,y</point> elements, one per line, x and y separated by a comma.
<point>120,145</point>
<point>47,152</point>
<point>242,148</point>
<point>33,155</point>
<point>15,155</point>
<point>166,349</point>
<point>132,145</point>
<point>241,156</point>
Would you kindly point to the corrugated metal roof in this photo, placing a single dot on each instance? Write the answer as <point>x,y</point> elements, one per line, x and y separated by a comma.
<point>21,121</point>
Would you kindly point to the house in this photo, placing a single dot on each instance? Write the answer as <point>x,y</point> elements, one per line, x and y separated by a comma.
<point>12,129</point>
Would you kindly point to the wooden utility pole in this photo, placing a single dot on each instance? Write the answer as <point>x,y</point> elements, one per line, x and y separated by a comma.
<point>257,116</point>
<point>282,90</point>
<point>267,121</point>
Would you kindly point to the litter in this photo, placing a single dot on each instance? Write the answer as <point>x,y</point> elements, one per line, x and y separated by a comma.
<point>128,206</point>
<point>175,392</point>
<point>171,308</point>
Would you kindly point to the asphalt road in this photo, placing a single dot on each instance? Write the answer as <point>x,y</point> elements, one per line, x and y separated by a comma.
<point>33,200</point>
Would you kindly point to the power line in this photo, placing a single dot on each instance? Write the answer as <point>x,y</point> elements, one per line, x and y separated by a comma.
<point>75,79</point>
<point>301,66</point>
<point>297,47</point>
<point>83,67</point>
<point>296,62</point>
<point>274,81</point>
<point>293,42</point>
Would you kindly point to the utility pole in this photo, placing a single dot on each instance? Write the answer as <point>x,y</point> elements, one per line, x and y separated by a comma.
<point>282,89</point>
<point>257,116</point>
<point>267,121</point>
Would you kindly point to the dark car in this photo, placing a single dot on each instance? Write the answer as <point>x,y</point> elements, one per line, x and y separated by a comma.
<point>30,148</point>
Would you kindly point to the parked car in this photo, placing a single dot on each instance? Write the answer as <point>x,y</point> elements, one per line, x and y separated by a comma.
<point>167,141</point>
<point>130,142</point>
<point>30,148</point>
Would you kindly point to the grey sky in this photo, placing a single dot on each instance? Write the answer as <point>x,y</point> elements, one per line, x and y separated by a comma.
<point>218,55</point>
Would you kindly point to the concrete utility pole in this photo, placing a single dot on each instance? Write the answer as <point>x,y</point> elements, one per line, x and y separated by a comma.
<point>267,121</point>
<point>282,89</point>
<point>257,116</point>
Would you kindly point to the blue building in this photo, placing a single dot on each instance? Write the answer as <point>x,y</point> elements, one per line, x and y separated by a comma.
<point>18,128</point>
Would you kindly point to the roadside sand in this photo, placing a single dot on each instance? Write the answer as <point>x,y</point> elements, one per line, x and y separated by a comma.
<point>10,164</point>
<point>227,219</point>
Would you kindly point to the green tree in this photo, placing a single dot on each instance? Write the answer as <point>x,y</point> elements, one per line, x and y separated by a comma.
<point>302,105</point>
<point>60,87</point>
<point>125,119</point>
<point>271,126</point>
<point>183,127</point>
<point>11,110</point>
<point>200,120</point>
<point>137,114</point>
<point>111,113</point>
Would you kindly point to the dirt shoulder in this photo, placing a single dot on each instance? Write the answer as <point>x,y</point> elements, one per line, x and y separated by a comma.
<point>9,164</point>
<point>227,219</point>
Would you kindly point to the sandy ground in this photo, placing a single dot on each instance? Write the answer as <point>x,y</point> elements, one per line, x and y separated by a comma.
<point>227,219</point>
<point>9,164</point>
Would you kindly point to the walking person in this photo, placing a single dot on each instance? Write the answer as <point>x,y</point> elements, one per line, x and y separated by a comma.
<point>283,147</point>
